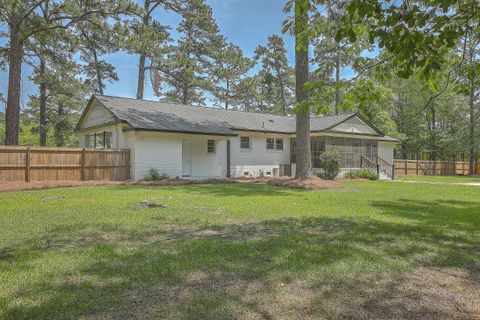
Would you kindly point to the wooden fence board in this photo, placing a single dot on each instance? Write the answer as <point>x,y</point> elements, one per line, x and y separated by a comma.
<point>63,164</point>
<point>430,168</point>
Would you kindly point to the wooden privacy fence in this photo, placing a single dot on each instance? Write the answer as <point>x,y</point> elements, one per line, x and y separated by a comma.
<point>63,164</point>
<point>430,168</point>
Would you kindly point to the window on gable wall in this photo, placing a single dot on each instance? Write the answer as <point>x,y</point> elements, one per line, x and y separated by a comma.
<point>99,140</point>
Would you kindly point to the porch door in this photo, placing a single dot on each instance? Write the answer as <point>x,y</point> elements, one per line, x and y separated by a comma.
<point>186,158</point>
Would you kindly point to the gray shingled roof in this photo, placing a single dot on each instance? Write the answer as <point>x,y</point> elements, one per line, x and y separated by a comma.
<point>160,116</point>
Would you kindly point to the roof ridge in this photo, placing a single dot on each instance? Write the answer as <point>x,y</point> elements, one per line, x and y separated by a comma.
<point>191,106</point>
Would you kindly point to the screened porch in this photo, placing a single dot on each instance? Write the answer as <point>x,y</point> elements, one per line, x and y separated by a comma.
<point>350,149</point>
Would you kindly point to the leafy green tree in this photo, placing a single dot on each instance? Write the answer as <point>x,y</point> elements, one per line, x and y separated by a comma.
<point>98,38</point>
<point>186,71</point>
<point>21,18</point>
<point>275,63</point>
<point>66,98</point>
<point>229,68</point>
<point>147,37</point>
<point>55,46</point>
<point>332,57</point>
<point>468,77</point>
<point>418,34</point>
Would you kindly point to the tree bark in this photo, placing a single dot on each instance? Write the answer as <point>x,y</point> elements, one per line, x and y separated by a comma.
<point>141,76</point>
<point>99,72</point>
<point>227,93</point>
<point>472,126</point>
<point>60,127</point>
<point>43,103</point>
<point>12,112</point>
<point>302,152</point>
<point>337,79</point>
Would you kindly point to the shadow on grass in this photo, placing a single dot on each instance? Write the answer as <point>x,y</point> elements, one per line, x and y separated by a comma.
<point>224,190</point>
<point>300,268</point>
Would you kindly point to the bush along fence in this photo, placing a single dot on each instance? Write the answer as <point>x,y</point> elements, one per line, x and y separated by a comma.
<point>63,164</point>
<point>430,168</point>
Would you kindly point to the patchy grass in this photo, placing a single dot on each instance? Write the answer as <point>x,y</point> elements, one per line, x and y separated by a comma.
<point>229,251</point>
<point>443,179</point>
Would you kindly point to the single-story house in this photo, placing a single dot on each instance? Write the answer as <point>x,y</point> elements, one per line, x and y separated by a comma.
<point>200,142</point>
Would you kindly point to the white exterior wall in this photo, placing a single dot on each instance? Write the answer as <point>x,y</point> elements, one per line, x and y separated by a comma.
<point>258,158</point>
<point>96,116</point>
<point>385,150</point>
<point>163,151</point>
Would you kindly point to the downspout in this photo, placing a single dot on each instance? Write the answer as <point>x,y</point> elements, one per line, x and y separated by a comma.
<point>228,159</point>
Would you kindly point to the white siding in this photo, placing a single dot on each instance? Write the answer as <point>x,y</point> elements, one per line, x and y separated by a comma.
<point>385,150</point>
<point>159,151</point>
<point>258,158</point>
<point>97,115</point>
<point>354,125</point>
<point>163,151</point>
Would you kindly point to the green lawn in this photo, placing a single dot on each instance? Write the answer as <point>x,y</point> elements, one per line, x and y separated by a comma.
<point>443,179</point>
<point>371,250</point>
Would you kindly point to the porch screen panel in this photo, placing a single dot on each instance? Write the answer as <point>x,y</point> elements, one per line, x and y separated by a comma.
<point>349,152</point>
<point>317,147</point>
<point>336,143</point>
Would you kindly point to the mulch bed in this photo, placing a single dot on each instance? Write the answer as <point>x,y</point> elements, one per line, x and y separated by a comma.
<point>313,183</point>
<point>37,185</point>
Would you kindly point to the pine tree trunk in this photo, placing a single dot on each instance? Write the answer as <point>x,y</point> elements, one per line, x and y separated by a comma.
<point>141,76</point>
<point>99,72</point>
<point>282,93</point>
<point>227,93</point>
<point>303,169</point>
<point>43,104</point>
<point>472,126</point>
<point>337,79</point>
<point>60,127</point>
<point>12,112</point>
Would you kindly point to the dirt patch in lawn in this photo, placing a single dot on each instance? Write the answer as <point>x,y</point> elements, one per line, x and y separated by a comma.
<point>422,294</point>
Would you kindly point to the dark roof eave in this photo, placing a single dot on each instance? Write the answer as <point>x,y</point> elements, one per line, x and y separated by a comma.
<point>263,131</point>
<point>185,132</point>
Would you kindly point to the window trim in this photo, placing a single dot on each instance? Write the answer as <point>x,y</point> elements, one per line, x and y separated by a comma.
<point>249,143</point>
<point>274,144</point>
<point>90,140</point>
<point>213,147</point>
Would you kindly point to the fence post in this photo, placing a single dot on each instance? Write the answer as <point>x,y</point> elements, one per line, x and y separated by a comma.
<point>406,167</point>
<point>82,162</point>
<point>27,165</point>
<point>418,171</point>
<point>393,170</point>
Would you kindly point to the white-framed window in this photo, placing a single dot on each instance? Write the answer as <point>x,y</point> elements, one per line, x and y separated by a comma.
<point>99,140</point>
<point>279,144</point>
<point>274,143</point>
<point>211,146</point>
<point>270,143</point>
<point>244,142</point>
